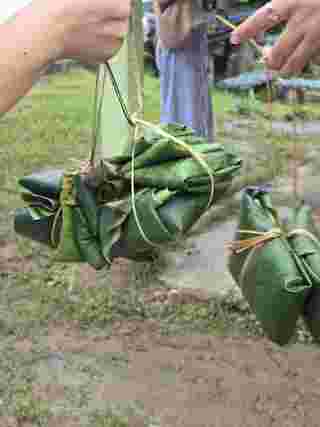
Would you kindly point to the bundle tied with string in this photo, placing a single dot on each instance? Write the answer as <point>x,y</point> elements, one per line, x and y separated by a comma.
<point>304,238</point>
<point>143,198</point>
<point>276,264</point>
<point>127,207</point>
<point>131,204</point>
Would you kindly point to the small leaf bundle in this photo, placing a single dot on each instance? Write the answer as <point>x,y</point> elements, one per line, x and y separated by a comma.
<point>277,266</point>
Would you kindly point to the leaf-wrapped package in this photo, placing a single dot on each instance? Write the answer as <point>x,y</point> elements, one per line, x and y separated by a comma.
<point>98,217</point>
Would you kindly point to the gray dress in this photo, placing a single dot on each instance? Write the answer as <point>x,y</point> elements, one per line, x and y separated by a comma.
<point>184,84</point>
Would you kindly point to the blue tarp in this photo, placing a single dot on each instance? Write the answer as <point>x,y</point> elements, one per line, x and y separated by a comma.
<point>246,81</point>
<point>307,84</point>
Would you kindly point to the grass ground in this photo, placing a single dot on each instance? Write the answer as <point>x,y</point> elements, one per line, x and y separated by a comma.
<point>42,303</point>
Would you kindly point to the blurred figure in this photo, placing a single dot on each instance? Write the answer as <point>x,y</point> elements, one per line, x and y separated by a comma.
<point>183,62</point>
<point>150,39</point>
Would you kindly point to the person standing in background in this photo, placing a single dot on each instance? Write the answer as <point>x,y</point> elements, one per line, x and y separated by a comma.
<point>183,62</point>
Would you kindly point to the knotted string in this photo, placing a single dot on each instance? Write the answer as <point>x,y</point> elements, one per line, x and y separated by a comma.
<point>261,237</point>
<point>53,233</point>
<point>135,123</point>
<point>239,246</point>
<point>229,24</point>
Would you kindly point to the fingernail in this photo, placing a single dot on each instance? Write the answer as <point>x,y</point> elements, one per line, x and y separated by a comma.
<point>276,18</point>
<point>235,39</point>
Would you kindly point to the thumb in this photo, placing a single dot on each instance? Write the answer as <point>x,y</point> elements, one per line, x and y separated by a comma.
<point>265,18</point>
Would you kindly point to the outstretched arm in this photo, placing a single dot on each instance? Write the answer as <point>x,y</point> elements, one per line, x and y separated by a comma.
<point>45,31</point>
<point>298,44</point>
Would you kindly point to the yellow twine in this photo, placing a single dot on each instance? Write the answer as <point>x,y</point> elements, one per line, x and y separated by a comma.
<point>197,157</point>
<point>134,121</point>
<point>55,242</point>
<point>239,246</point>
<point>140,122</point>
<point>177,141</point>
<point>262,238</point>
<point>233,27</point>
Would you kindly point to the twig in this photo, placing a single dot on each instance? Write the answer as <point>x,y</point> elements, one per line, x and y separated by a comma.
<point>233,27</point>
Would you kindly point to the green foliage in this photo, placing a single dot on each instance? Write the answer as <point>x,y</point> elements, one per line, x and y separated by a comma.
<point>109,420</point>
<point>28,409</point>
<point>248,105</point>
<point>133,414</point>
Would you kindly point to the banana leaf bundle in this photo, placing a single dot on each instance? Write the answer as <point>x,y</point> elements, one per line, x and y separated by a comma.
<point>96,217</point>
<point>277,266</point>
<point>304,239</point>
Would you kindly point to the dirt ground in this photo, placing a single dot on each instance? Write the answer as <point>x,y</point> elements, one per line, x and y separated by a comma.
<point>219,382</point>
<point>189,380</point>
<point>198,380</point>
<point>207,381</point>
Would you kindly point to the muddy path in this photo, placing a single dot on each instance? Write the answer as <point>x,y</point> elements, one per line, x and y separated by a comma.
<point>58,371</point>
<point>155,380</point>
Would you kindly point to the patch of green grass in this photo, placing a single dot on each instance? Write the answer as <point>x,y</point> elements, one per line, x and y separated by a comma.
<point>289,112</point>
<point>151,98</point>
<point>109,420</point>
<point>133,414</point>
<point>222,101</point>
<point>50,126</point>
<point>53,293</point>
<point>256,105</point>
<point>27,409</point>
<point>248,105</point>
<point>16,380</point>
<point>206,318</point>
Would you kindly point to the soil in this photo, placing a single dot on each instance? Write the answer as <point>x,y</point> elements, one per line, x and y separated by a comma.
<point>182,381</point>
<point>220,381</point>
<point>198,380</point>
<point>10,261</point>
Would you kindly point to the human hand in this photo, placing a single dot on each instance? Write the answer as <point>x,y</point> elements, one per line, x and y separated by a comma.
<point>298,44</point>
<point>91,31</point>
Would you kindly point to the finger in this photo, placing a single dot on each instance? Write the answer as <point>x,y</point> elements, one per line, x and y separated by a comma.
<point>278,55</point>
<point>263,20</point>
<point>307,49</point>
<point>289,40</point>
